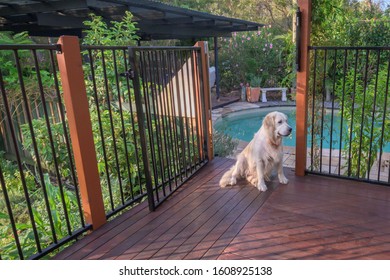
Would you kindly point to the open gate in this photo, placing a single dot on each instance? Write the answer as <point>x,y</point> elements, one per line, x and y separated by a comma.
<point>172,110</point>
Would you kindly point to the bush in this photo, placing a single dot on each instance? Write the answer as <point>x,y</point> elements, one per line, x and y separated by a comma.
<point>224,145</point>
<point>261,54</point>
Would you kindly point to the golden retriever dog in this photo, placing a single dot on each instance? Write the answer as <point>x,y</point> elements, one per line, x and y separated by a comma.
<point>262,155</point>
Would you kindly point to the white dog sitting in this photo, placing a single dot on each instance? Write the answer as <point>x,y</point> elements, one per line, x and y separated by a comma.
<point>264,153</point>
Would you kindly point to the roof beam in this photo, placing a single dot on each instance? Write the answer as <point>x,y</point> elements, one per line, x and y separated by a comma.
<point>48,19</point>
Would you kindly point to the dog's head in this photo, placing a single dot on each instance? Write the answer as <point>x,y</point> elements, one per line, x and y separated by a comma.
<point>276,125</point>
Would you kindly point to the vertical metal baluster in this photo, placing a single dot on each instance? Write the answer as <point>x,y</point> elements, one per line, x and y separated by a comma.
<point>363,111</point>
<point>181,125</point>
<point>122,121</point>
<point>163,114</point>
<point>156,117</point>
<point>313,110</point>
<point>342,110</point>
<point>105,77</point>
<point>352,114</point>
<point>202,104</point>
<point>3,185</point>
<point>133,124</point>
<point>197,103</point>
<point>373,116</point>
<point>18,158</point>
<point>191,94</point>
<point>141,124</point>
<point>332,115</point>
<point>46,116</point>
<point>102,137</point>
<point>323,109</point>
<point>170,114</point>
<point>385,115</point>
<point>187,109</point>
<point>186,131</point>
<point>145,79</point>
<point>174,116</point>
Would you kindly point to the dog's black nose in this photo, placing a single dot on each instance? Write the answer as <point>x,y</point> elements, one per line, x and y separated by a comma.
<point>290,129</point>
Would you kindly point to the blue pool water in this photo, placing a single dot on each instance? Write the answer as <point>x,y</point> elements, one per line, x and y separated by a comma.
<point>243,125</point>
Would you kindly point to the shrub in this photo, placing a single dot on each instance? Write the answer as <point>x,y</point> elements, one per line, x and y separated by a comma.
<point>249,54</point>
<point>224,145</point>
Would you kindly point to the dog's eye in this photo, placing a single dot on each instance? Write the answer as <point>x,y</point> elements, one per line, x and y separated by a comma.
<point>280,121</point>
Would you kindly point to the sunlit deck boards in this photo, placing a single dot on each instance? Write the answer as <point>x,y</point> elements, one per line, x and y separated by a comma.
<point>311,218</point>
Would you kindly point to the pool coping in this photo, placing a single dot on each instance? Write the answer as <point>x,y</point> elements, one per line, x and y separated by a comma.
<point>243,106</point>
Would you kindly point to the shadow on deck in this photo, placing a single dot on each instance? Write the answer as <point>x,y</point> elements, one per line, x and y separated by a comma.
<point>312,217</point>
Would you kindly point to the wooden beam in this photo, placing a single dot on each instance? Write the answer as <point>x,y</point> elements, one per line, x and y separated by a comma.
<point>80,127</point>
<point>56,20</point>
<point>302,88</point>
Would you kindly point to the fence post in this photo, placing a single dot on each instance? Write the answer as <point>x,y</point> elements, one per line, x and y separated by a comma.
<point>302,86</point>
<point>80,127</point>
<point>204,53</point>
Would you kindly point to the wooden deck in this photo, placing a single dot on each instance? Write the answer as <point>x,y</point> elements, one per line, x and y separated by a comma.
<point>312,217</point>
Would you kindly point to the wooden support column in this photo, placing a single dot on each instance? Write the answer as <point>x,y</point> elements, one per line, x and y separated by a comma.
<point>302,86</point>
<point>206,97</point>
<point>80,127</point>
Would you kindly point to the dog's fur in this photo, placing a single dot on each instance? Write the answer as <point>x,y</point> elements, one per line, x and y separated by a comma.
<point>264,153</point>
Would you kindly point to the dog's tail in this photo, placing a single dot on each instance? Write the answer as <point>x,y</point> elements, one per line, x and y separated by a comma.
<point>226,179</point>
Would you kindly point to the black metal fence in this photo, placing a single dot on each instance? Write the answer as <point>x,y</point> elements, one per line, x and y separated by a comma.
<point>40,207</point>
<point>172,101</point>
<point>349,114</point>
<point>148,123</point>
<point>115,126</point>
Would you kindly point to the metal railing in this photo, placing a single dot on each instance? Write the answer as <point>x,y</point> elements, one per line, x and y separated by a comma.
<point>40,205</point>
<point>173,103</point>
<point>149,128</point>
<point>349,114</point>
<point>115,126</point>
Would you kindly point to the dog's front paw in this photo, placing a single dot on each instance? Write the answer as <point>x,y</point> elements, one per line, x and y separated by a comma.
<point>233,181</point>
<point>251,179</point>
<point>262,187</point>
<point>283,179</point>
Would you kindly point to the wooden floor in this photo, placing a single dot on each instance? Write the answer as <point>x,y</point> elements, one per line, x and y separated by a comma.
<point>312,217</point>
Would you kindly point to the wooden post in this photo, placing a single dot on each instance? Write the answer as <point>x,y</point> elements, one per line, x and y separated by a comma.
<point>80,127</point>
<point>207,97</point>
<point>302,87</point>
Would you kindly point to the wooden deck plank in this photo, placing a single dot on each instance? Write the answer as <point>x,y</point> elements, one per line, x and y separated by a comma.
<point>191,224</point>
<point>313,217</point>
<point>328,220</point>
<point>182,248</point>
<point>130,218</point>
<point>169,212</point>
<point>176,224</point>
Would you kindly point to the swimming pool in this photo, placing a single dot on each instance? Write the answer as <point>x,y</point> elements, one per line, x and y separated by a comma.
<point>244,124</point>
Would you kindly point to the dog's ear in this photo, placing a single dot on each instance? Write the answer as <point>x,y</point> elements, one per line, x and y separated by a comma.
<point>269,122</point>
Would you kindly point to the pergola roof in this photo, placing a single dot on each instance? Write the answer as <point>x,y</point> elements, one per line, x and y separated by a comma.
<point>155,20</point>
